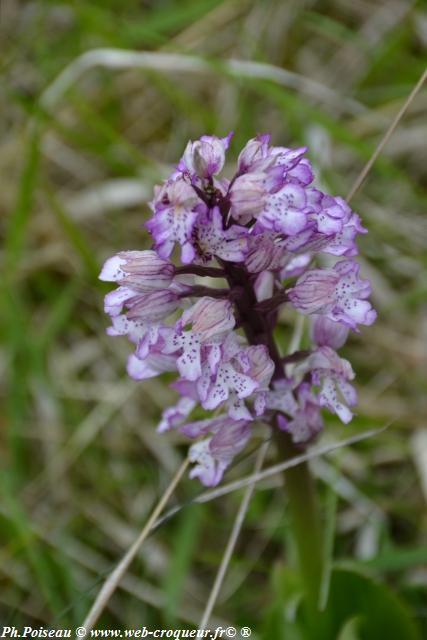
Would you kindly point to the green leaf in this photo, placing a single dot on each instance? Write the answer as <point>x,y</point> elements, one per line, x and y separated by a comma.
<point>396,559</point>
<point>350,630</point>
<point>280,620</point>
<point>380,613</point>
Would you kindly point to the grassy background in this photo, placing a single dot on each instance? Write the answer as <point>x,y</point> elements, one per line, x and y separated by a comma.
<point>81,465</point>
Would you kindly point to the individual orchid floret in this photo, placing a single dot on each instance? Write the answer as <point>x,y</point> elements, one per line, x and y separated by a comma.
<point>149,307</point>
<point>151,366</point>
<point>176,207</point>
<point>153,306</point>
<point>337,293</point>
<point>228,379</point>
<point>256,362</point>
<point>287,158</point>
<point>343,243</point>
<point>329,213</point>
<point>205,157</point>
<point>265,251</point>
<point>135,330</point>
<point>247,196</point>
<point>139,270</point>
<point>327,333</point>
<point>281,397</point>
<point>214,455</point>
<point>211,240</point>
<point>331,228</point>
<point>306,421</point>
<point>333,374</point>
<point>255,155</point>
<point>301,173</point>
<point>285,211</point>
<point>149,359</point>
<point>210,319</point>
<point>226,371</point>
<point>174,416</point>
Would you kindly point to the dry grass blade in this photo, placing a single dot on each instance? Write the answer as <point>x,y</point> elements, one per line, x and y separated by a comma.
<point>207,496</point>
<point>288,464</point>
<point>175,62</point>
<point>419,453</point>
<point>366,169</point>
<point>232,540</point>
<point>117,574</point>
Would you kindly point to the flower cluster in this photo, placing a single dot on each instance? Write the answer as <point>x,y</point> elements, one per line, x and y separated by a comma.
<point>258,234</point>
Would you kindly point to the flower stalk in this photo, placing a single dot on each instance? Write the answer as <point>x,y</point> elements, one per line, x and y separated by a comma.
<point>299,483</point>
<point>305,523</point>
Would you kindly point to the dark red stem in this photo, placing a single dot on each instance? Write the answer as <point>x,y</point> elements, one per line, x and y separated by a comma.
<point>193,269</point>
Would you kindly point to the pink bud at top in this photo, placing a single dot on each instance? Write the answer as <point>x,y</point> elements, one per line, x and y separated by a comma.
<point>288,158</point>
<point>139,270</point>
<point>255,155</point>
<point>176,207</point>
<point>205,157</point>
<point>327,333</point>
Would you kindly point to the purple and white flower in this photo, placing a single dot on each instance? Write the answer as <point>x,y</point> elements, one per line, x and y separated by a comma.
<point>259,233</point>
<point>247,196</point>
<point>337,293</point>
<point>213,455</point>
<point>205,157</point>
<point>333,374</point>
<point>211,240</point>
<point>139,270</point>
<point>327,333</point>
<point>305,421</point>
<point>176,207</point>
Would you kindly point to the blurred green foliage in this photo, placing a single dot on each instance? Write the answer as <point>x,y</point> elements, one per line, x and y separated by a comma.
<point>82,465</point>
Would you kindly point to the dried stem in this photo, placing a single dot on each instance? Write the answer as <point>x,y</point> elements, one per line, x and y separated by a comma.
<point>113,580</point>
<point>232,540</point>
<point>366,169</point>
<point>269,472</point>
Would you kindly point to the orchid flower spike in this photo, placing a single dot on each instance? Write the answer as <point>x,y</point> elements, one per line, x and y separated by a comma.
<point>260,232</point>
